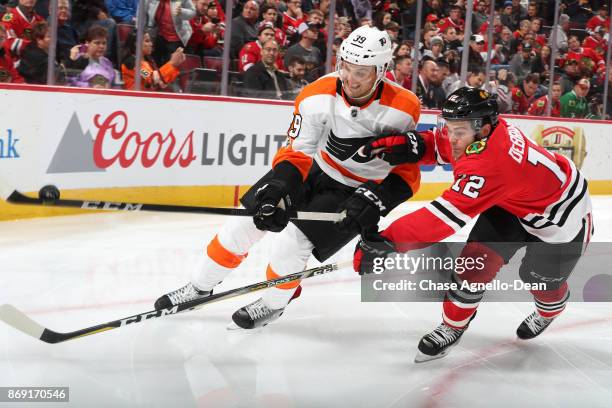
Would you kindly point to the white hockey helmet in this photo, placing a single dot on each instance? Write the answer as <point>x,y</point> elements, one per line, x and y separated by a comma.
<point>367,46</point>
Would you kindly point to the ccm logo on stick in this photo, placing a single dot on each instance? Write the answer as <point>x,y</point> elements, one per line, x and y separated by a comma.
<point>105,205</point>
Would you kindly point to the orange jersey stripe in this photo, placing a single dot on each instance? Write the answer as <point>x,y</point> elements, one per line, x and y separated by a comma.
<point>342,170</point>
<point>270,274</point>
<point>222,256</point>
<point>411,174</point>
<point>401,99</point>
<point>300,160</point>
<point>322,86</point>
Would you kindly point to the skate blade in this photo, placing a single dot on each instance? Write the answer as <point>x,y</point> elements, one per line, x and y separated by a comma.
<point>423,358</point>
<point>233,326</point>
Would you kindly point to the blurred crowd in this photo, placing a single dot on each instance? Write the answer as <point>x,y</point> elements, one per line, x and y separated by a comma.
<point>277,47</point>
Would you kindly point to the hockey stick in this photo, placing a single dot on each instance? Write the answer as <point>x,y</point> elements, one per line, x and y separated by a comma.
<point>20,321</point>
<point>16,197</point>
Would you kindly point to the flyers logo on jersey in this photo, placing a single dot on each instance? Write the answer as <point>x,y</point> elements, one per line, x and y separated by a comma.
<point>476,147</point>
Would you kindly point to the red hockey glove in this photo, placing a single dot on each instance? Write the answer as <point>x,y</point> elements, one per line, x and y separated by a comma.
<point>397,149</point>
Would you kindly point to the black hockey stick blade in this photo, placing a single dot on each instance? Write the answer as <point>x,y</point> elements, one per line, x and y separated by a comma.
<point>19,198</point>
<point>12,316</point>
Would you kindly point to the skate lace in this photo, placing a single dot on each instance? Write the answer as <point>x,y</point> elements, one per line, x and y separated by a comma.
<point>444,335</point>
<point>257,309</point>
<point>535,322</point>
<point>184,294</point>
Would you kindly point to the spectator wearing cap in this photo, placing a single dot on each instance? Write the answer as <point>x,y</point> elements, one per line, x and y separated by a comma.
<point>206,31</point>
<point>521,63</point>
<point>476,54</point>
<point>428,89</point>
<point>571,74</point>
<point>540,105</point>
<point>595,41</point>
<point>263,79</point>
<point>436,48</point>
<point>601,19</point>
<point>402,71</point>
<point>250,54</point>
<point>524,95</point>
<point>588,60</point>
<point>292,18</point>
<point>453,20</point>
<point>507,17</point>
<point>8,73</point>
<point>317,17</point>
<point>305,48</point>
<point>480,16</point>
<point>244,27</point>
<point>171,18</point>
<point>562,28</point>
<point>574,103</point>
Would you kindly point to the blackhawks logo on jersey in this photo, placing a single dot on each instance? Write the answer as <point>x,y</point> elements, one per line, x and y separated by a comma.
<point>7,17</point>
<point>476,147</point>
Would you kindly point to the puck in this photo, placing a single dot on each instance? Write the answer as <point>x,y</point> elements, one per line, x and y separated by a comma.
<point>49,194</point>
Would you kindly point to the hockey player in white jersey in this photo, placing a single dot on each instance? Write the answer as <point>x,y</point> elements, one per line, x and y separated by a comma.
<point>320,169</point>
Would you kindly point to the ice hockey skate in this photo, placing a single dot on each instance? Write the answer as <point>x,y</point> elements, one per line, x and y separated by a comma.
<point>532,326</point>
<point>181,295</point>
<point>257,314</point>
<point>439,342</point>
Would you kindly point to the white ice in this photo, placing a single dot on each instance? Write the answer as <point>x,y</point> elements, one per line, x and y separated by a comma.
<point>328,349</point>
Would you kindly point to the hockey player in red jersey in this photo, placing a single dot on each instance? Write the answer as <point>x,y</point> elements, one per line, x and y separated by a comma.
<point>522,194</point>
<point>320,169</point>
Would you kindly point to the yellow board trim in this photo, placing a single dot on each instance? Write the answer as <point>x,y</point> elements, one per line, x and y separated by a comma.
<point>217,196</point>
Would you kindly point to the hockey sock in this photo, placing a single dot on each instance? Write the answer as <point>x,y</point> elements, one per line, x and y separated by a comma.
<point>279,296</point>
<point>550,303</point>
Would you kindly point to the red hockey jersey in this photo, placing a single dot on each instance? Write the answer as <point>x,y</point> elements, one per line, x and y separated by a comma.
<point>250,55</point>
<point>18,30</point>
<point>543,189</point>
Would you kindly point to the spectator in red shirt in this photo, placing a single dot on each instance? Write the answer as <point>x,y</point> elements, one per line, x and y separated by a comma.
<point>540,105</point>
<point>18,22</point>
<point>600,19</point>
<point>251,52</point>
<point>523,96</point>
<point>401,74</point>
<point>7,65</point>
<point>588,60</point>
<point>453,20</point>
<point>595,41</point>
<point>292,18</point>
<point>206,31</point>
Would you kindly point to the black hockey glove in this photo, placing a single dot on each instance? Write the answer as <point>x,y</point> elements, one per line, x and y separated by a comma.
<point>271,208</point>
<point>371,246</point>
<point>363,208</point>
<point>397,149</point>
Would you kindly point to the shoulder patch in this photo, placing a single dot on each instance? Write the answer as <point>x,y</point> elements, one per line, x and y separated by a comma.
<point>572,102</point>
<point>7,17</point>
<point>519,93</point>
<point>541,103</point>
<point>476,147</point>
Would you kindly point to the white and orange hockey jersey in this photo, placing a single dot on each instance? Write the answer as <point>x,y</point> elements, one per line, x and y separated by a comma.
<point>328,130</point>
